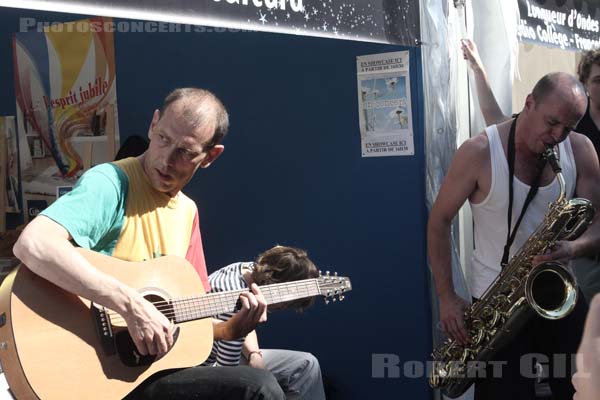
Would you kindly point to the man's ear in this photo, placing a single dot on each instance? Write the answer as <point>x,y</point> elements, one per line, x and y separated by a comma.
<point>529,102</point>
<point>212,155</point>
<point>155,118</point>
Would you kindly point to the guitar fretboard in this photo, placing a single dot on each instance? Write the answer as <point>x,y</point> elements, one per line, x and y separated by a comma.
<point>197,307</point>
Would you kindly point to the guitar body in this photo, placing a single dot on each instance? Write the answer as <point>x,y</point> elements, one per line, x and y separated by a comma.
<point>50,347</point>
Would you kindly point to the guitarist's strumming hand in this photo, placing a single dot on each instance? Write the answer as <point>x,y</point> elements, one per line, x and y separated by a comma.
<point>150,330</point>
<point>252,312</point>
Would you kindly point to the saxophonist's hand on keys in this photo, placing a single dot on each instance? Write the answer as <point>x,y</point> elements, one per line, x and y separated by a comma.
<point>452,318</point>
<point>562,251</point>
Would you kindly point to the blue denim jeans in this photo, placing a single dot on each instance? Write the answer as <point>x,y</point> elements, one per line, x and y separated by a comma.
<point>298,373</point>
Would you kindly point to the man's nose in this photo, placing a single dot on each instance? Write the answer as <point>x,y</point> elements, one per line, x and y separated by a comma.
<point>168,157</point>
<point>558,134</point>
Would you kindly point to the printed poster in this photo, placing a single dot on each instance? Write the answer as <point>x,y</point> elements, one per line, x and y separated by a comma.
<point>9,168</point>
<point>65,85</point>
<point>384,105</point>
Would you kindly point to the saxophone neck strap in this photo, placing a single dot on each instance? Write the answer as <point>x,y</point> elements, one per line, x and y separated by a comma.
<point>541,163</point>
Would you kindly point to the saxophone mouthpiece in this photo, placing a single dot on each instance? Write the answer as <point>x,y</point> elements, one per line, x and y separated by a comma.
<point>550,155</point>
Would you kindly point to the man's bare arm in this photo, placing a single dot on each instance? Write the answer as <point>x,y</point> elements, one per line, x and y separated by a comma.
<point>460,183</point>
<point>45,249</point>
<point>492,113</point>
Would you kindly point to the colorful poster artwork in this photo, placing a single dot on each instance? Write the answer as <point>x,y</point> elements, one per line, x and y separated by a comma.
<point>65,85</point>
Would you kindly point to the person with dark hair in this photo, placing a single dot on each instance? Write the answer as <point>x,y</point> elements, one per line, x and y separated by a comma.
<point>298,373</point>
<point>588,72</point>
<point>134,209</point>
<point>482,171</point>
<point>587,268</point>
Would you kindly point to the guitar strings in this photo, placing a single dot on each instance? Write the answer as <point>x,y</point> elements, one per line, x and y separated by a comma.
<point>190,307</point>
<point>193,308</point>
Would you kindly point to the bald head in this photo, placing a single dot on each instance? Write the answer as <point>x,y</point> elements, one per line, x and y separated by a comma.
<point>561,86</point>
<point>200,108</point>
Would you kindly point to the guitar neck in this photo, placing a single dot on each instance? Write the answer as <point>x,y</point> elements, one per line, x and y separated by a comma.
<point>193,308</point>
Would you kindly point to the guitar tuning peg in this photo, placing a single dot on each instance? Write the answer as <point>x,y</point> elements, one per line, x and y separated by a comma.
<point>334,299</point>
<point>327,273</point>
<point>342,297</point>
<point>335,274</point>
<point>320,273</point>
<point>326,301</point>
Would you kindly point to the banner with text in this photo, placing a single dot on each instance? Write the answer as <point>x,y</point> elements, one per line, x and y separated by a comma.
<point>574,25</point>
<point>384,21</point>
<point>384,107</point>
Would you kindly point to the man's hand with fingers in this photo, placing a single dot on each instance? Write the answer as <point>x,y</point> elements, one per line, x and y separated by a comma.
<point>562,251</point>
<point>253,311</point>
<point>452,318</point>
<point>150,330</point>
<point>470,53</point>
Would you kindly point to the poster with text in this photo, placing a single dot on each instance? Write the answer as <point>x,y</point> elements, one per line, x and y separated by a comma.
<point>384,107</point>
<point>65,85</point>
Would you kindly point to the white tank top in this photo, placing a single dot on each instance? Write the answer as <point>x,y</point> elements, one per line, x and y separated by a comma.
<point>489,216</point>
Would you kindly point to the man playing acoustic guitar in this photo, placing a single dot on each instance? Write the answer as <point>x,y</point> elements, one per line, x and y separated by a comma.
<point>134,210</point>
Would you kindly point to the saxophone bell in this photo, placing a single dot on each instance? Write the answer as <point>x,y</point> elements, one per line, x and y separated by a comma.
<point>551,290</point>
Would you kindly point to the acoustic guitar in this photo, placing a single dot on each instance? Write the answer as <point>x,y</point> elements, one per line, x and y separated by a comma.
<point>56,345</point>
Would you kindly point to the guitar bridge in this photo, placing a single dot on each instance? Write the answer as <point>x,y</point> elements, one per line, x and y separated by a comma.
<point>104,329</point>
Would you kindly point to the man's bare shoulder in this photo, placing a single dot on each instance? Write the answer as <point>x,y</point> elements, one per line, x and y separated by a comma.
<point>580,140</point>
<point>476,149</point>
<point>583,148</point>
<point>584,153</point>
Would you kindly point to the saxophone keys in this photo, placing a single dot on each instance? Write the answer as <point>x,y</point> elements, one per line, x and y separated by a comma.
<point>464,355</point>
<point>495,318</point>
<point>477,337</point>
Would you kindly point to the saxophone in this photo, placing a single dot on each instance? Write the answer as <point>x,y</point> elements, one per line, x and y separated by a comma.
<point>519,291</point>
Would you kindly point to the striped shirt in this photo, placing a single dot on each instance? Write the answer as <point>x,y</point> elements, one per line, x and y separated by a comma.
<point>227,352</point>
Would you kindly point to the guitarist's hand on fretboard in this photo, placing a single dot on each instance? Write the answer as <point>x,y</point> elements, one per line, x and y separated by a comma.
<point>252,311</point>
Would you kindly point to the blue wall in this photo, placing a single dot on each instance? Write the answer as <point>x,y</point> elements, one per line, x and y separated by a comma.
<point>292,174</point>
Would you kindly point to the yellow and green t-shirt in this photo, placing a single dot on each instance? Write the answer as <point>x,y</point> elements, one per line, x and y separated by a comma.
<point>113,209</point>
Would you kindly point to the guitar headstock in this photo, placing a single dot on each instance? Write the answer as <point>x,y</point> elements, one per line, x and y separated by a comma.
<point>331,286</point>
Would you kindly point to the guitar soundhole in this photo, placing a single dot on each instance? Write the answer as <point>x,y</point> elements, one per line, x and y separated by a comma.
<point>127,350</point>
<point>128,353</point>
<point>164,306</point>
